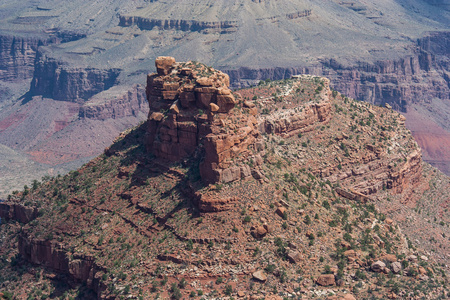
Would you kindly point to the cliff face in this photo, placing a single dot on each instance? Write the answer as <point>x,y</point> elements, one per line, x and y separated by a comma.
<point>117,102</point>
<point>53,255</point>
<point>191,108</point>
<point>417,78</point>
<point>184,25</point>
<point>17,55</point>
<point>53,79</point>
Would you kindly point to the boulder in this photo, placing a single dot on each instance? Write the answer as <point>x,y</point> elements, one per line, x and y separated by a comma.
<point>294,256</point>
<point>156,116</point>
<point>412,258</point>
<point>326,280</point>
<point>260,275</point>
<point>258,232</point>
<point>389,257</point>
<point>164,64</point>
<point>281,210</point>
<point>378,266</point>
<point>213,107</point>
<point>396,267</point>
<point>249,104</point>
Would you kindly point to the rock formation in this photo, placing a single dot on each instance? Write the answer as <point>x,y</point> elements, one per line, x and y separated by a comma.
<point>292,175</point>
<point>54,79</point>
<point>190,106</point>
<point>117,102</point>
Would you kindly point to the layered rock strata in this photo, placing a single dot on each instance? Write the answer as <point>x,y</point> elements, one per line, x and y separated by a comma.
<point>117,102</point>
<point>17,56</point>
<point>184,25</point>
<point>189,106</point>
<point>417,78</point>
<point>54,79</point>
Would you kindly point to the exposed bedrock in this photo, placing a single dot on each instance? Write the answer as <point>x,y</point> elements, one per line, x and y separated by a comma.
<point>51,254</point>
<point>192,110</point>
<point>57,80</point>
<point>18,53</point>
<point>18,212</point>
<point>117,102</point>
<point>184,25</point>
<point>420,77</point>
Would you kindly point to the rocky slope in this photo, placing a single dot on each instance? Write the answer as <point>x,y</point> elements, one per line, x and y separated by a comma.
<point>287,189</point>
<point>390,52</point>
<point>393,52</point>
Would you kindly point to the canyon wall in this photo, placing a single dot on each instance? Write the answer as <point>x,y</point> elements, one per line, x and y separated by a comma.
<point>417,78</point>
<point>56,80</point>
<point>18,53</point>
<point>184,25</point>
<point>117,102</point>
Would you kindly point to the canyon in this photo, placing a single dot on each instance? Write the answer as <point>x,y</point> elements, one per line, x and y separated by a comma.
<point>284,188</point>
<point>48,52</point>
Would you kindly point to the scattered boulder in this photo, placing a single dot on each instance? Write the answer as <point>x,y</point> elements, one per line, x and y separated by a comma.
<point>378,266</point>
<point>396,267</point>
<point>249,104</point>
<point>412,258</point>
<point>389,257</point>
<point>214,107</point>
<point>294,256</point>
<point>258,232</point>
<point>260,275</point>
<point>422,271</point>
<point>326,280</point>
<point>281,210</point>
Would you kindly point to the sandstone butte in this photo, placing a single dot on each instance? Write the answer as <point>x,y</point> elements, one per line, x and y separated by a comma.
<point>286,189</point>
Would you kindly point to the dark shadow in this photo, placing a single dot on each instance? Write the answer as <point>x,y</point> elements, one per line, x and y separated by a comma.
<point>133,151</point>
<point>25,98</point>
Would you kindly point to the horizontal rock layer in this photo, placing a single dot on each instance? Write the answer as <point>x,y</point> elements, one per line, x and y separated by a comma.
<point>115,103</point>
<point>184,25</point>
<point>18,53</point>
<point>417,78</point>
<point>54,79</point>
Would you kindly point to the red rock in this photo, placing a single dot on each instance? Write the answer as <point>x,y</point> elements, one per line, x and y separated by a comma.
<point>164,64</point>
<point>281,210</point>
<point>213,107</point>
<point>205,81</point>
<point>389,257</point>
<point>294,256</point>
<point>326,280</point>
<point>260,275</point>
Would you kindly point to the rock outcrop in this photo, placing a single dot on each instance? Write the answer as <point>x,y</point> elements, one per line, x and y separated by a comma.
<point>18,212</point>
<point>17,56</point>
<point>18,53</point>
<point>190,106</point>
<point>184,25</point>
<point>54,79</point>
<point>51,254</point>
<point>116,102</point>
